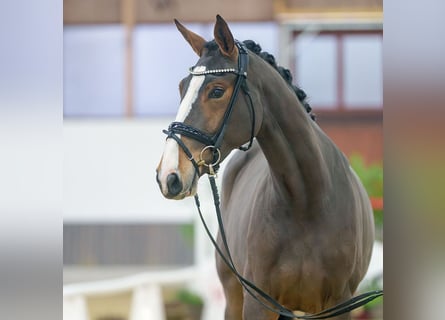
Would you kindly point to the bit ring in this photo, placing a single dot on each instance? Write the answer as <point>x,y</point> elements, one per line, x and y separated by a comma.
<point>202,161</point>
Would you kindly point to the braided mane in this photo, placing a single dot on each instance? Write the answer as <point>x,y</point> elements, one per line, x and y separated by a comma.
<point>285,73</point>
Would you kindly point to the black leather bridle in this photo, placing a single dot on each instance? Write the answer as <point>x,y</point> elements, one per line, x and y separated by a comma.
<point>213,143</point>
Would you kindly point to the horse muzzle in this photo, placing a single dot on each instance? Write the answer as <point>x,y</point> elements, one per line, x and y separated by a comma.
<point>174,185</point>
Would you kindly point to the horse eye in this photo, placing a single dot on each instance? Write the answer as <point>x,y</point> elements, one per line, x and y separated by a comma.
<point>216,93</point>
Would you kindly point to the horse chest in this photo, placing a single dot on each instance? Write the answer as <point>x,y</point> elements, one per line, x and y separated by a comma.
<point>266,235</point>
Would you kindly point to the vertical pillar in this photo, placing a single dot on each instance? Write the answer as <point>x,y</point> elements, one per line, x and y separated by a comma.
<point>285,45</point>
<point>128,19</point>
<point>147,303</point>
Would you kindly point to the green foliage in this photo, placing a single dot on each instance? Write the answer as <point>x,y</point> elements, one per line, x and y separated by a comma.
<point>372,179</point>
<point>375,284</point>
<point>371,175</point>
<point>188,297</point>
<point>188,232</point>
<point>378,218</point>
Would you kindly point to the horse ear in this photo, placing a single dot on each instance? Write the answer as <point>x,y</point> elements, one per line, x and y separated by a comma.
<point>224,38</point>
<point>195,41</point>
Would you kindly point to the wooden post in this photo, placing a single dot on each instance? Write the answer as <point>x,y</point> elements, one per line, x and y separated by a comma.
<point>128,19</point>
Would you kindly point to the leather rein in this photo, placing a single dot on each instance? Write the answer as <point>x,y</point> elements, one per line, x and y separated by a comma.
<point>213,143</point>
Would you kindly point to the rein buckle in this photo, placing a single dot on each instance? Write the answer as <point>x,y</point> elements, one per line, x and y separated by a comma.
<point>211,171</point>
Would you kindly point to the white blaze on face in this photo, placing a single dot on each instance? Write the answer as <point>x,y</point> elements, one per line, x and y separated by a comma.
<point>170,158</point>
<point>191,95</point>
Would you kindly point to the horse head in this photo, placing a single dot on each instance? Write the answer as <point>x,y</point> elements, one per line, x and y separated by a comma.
<point>216,114</point>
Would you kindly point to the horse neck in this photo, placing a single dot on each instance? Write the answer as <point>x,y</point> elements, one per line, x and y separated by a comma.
<point>291,142</point>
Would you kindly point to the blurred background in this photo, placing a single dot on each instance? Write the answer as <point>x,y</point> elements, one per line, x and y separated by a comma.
<point>129,253</point>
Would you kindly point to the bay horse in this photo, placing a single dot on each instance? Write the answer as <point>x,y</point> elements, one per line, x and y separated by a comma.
<point>298,221</point>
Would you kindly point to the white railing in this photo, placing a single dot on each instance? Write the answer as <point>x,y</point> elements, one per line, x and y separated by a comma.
<point>147,302</point>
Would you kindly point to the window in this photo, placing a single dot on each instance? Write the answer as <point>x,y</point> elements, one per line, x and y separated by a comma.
<point>340,71</point>
<point>316,69</point>
<point>93,70</point>
<point>362,70</point>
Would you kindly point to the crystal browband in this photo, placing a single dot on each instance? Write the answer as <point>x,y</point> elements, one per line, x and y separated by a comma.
<point>204,72</point>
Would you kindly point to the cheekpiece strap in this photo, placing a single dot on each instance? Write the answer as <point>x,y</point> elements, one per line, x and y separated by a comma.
<point>243,60</point>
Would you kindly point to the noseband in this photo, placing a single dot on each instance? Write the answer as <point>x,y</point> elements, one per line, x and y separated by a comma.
<point>214,142</point>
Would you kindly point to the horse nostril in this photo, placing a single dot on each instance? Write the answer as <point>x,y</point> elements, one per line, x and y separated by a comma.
<point>174,184</point>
